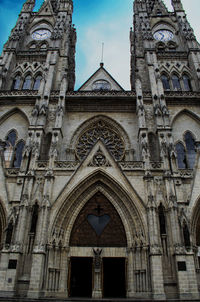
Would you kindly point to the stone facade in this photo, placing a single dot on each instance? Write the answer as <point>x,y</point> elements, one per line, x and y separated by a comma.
<point>99,188</point>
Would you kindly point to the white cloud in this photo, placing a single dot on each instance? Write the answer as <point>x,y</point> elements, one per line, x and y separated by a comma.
<point>115,36</point>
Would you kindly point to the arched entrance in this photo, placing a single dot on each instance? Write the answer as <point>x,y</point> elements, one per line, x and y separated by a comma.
<point>98,226</point>
<point>89,209</point>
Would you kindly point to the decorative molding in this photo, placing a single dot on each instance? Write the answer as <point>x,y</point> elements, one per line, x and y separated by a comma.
<point>132,165</point>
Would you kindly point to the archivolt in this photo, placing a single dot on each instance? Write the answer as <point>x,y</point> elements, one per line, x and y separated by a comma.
<point>130,215</point>
<point>189,113</point>
<point>11,112</point>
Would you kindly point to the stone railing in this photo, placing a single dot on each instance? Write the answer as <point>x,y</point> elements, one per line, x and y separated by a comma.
<point>21,93</point>
<point>132,165</point>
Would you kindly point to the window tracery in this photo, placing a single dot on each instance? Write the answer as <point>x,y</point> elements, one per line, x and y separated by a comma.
<point>13,150</point>
<point>186,153</point>
<point>100,131</point>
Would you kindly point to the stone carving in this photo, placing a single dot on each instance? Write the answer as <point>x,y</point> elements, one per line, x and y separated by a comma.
<point>100,131</point>
<point>132,165</point>
<point>97,259</point>
<point>99,160</point>
<point>66,164</point>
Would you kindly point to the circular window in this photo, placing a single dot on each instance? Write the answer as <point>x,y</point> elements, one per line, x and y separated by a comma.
<point>163,35</point>
<point>101,85</point>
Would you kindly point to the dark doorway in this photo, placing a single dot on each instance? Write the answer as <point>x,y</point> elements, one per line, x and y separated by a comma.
<point>114,278</point>
<point>81,277</point>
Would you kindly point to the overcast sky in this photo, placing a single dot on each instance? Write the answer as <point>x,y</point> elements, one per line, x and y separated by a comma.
<point>98,21</point>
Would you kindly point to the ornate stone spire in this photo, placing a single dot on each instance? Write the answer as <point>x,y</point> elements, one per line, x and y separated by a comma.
<point>28,6</point>
<point>177,5</point>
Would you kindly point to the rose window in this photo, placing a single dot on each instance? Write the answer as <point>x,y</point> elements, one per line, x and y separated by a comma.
<point>100,131</point>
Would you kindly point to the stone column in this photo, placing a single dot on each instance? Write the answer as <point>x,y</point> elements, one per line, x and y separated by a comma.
<point>63,290</point>
<point>130,274</point>
<point>157,280</point>
<point>97,290</point>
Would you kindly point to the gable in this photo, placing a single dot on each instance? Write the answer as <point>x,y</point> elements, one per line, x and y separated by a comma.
<point>101,80</point>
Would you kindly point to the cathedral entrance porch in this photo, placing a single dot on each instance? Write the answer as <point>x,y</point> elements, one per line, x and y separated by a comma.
<point>114,277</point>
<point>81,277</point>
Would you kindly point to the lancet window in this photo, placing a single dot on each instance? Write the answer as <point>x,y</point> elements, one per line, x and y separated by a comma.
<point>13,150</point>
<point>176,82</point>
<point>27,83</point>
<point>17,82</point>
<point>37,82</point>
<point>165,81</point>
<point>187,83</point>
<point>186,152</point>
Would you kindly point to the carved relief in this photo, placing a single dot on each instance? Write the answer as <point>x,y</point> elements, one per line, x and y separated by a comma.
<point>99,160</point>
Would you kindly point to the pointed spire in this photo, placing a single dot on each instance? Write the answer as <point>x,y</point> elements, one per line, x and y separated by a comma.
<point>28,6</point>
<point>177,5</point>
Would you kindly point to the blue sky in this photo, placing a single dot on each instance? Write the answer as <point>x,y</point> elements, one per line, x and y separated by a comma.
<point>96,21</point>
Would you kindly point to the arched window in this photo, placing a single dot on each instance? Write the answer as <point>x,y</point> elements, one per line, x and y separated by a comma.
<point>186,235</point>
<point>176,82</point>
<point>181,156</point>
<point>191,150</point>
<point>101,85</point>
<point>9,149</point>
<point>165,82</point>
<point>17,82</point>
<point>153,147</point>
<point>13,150</point>
<point>37,82</point>
<point>162,222</point>
<point>187,83</point>
<point>27,83</point>
<point>18,154</point>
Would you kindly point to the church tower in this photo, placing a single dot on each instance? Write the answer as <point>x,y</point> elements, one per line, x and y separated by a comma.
<point>99,187</point>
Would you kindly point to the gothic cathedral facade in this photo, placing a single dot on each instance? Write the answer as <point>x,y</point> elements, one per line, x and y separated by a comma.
<point>99,187</point>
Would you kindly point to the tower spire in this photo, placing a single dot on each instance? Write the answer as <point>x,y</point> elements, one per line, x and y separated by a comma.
<point>177,5</point>
<point>28,6</point>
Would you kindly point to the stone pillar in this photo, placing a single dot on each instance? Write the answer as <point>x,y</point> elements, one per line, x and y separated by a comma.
<point>156,268</point>
<point>63,290</point>
<point>37,275</point>
<point>130,275</point>
<point>97,290</point>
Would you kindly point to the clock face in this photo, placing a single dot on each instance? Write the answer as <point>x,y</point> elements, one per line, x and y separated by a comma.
<point>163,35</point>
<point>41,34</point>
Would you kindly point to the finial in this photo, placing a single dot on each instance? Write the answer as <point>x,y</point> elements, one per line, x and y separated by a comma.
<point>102,53</point>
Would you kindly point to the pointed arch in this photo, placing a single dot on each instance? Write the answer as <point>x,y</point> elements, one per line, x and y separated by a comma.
<point>187,112</point>
<point>67,207</point>
<point>195,222</point>
<point>12,112</point>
